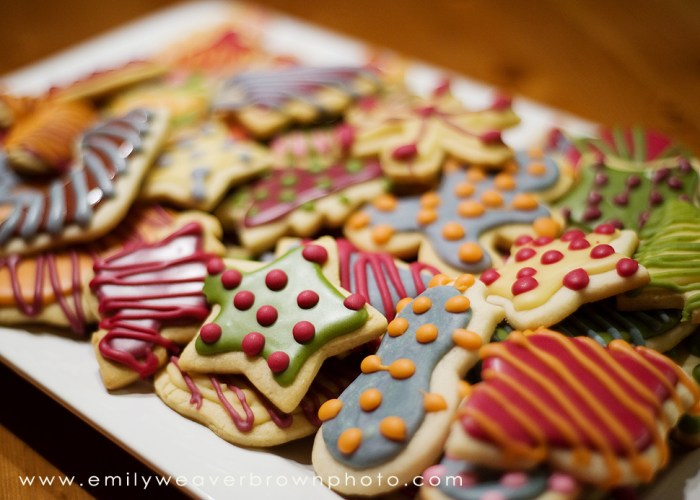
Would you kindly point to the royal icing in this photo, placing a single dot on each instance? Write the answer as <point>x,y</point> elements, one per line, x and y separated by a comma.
<point>313,149</point>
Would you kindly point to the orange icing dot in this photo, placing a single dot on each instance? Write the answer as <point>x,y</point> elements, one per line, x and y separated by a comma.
<point>457,304</point>
<point>393,428</point>
<point>524,201</point>
<point>546,226</point>
<point>470,208</point>
<point>452,231</point>
<point>466,339</point>
<point>370,399</point>
<point>371,364</point>
<point>430,200</point>
<point>402,368</point>
<point>510,167</point>
<point>537,169</point>
<point>426,333</point>
<point>382,234</point>
<point>470,252</point>
<point>426,216</point>
<point>421,305</point>
<point>491,198</point>
<point>464,189</point>
<point>439,280</point>
<point>535,152</point>
<point>349,441</point>
<point>465,389</point>
<point>385,203</point>
<point>329,409</point>
<point>464,281</point>
<point>476,175</point>
<point>398,326</point>
<point>402,303</point>
<point>504,182</point>
<point>434,402</point>
<point>358,220</point>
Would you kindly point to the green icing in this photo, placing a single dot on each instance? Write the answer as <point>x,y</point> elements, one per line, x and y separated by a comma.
<point>288,180</point>
<point>330,317</point>
<point>287,195</point>
<point>309,206</point>
<point>353,166</point>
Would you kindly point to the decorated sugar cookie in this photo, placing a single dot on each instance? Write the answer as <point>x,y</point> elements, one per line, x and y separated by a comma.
<point>626,175</point>
<point>276,323</point>
<point>15,107</point>
<point>393,419</point>
<point>545,279</point>
<point>150,297</point>
<point>312,149</point>
<point>299,202</point>
<point>266,101</point>
<point>412,136</point>
<point>234,410</point>
<point>599,414</point>
<point>92,196</point>
<point>669,250</point>
<point>459,226</point>
<point>199,165</point>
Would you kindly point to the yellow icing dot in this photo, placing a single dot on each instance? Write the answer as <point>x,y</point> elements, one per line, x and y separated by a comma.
<point>370,399</point>
<point>470,208</point>
<point>426,216</point>
<point>476,175</point>
<point>358,220</point>
<point>329,409</point>
<point>537,169</point>
<point>464,281</point>
<point>524,201</point>
<point>398,326</point>
<point>430,200</point>
<point>402,368</point>
<point>421,305</point>
<point>371,364</point>
<point>439,280</point>
<point>504,182</point>
<point>385,203</point>
<point>457,304</point>
<point>426,333</point>
<point>491,198</point>
<point>470,252</point>
<point>464,189</point>
<point>465,389</point>
<point>402,303</point>
<point>546,226</point>
<point>466,339</point>
<point>349,440</point>
<point>452,231</point>
<point>434,402</point>
<point>382,234</point>
<point>393,428</point>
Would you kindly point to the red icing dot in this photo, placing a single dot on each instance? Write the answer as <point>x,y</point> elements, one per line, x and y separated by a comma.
<point>577,279</point>
<point>573,234</point>
<point>231,279</point>
<point>276,280</point>
<point>303,332</point>
<point>551,256</point>
<point>355,302</point>
<point>215,266</point>
<point>307,299</point>
<point>626,267</point>
<point>605,229</point>
<point>266,315</point>
<point>243,300</point>
<point>278,361</point>
<point>315,253</point>
<point>602,251</point>
<point>542,240</point>
<point>579,244</point>
<point>210,333</point>
<point>522,240</point>
<point>526,271</point>
<point>524,254</point>
<point>405,153</point>
<point>253,343</point>
<point>523,285</point>
<point>489,276</point>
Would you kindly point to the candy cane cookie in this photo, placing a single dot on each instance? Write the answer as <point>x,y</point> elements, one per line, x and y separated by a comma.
<point>394,418</point>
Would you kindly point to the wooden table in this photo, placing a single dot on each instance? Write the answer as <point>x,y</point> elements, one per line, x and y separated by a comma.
<point>617,62</point>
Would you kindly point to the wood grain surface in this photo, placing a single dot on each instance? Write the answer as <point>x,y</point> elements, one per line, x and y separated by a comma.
<point>615,62</point>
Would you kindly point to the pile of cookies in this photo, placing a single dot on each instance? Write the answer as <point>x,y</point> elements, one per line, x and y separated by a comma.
<point>288,250</point>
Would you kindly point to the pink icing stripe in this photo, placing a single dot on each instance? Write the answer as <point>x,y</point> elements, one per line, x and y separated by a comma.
<point>241,424</point>
<point>196,395</point>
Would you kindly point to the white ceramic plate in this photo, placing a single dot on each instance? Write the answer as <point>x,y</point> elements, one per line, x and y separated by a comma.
<point>136,419</point>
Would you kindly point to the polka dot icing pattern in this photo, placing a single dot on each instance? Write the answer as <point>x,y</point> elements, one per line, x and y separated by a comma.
<point>543,392</point>
<point>391,390</point>
<point>256,319</point>
<point>464,207</point>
